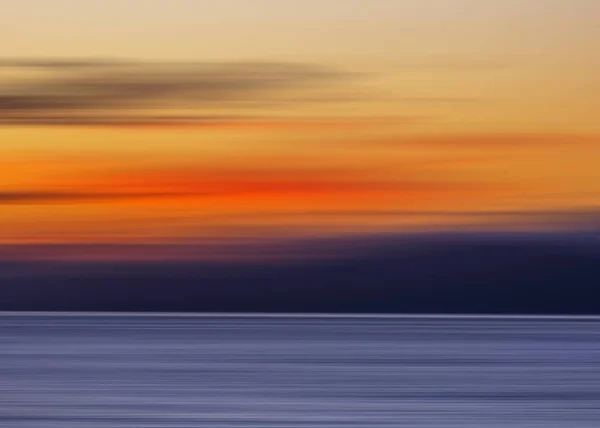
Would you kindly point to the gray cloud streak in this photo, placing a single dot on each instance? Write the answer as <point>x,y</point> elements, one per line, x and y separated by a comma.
<point>75,92</point>
<point>51,197</point>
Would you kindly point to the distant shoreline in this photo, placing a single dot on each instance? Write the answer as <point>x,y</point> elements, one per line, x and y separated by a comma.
<point>290,315</point>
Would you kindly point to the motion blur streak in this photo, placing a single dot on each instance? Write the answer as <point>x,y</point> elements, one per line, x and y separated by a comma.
<point>223,372</point>
<point>299,157</point>
<point>166,121</point>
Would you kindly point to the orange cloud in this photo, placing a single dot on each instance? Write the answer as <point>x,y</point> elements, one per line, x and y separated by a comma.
<point>497,141</point>
<point>125,198</point>
<point>144,192</point>
<point>169,123</point>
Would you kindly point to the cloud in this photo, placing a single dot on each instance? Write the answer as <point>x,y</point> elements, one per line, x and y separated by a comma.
<point>56,63</point>
<point>103,120</point>
<point>585,219</point>
<point>286,189</point>
<point>287,182</point>
<point>50,197</point>
<point>81,92</point>
<point>477,273</point>
<point>482,141</point>
<point>282,175</point>
<point>195,121</point>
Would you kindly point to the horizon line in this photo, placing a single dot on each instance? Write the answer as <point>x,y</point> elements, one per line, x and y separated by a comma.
<point>291,315</point>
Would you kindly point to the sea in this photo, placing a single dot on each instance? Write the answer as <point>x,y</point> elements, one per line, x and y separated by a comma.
<point>279,371</point>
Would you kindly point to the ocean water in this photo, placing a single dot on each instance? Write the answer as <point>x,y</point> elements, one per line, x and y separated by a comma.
<point>126,371</point>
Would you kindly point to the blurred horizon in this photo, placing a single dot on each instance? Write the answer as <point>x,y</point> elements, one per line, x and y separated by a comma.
<point>210,209</point>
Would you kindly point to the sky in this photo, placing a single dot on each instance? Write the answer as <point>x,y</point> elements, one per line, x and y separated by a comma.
<point>152,121</point>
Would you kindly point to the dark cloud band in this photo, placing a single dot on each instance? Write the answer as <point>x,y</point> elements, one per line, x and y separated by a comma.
<point>66,92</point>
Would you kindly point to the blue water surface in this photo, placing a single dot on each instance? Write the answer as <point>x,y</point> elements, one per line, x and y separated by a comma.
<point>217,371</point>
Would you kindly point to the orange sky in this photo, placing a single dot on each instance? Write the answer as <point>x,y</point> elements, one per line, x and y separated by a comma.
<point>155,124</point>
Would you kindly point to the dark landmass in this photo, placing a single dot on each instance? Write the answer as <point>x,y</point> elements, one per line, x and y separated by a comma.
<point>447,274</point>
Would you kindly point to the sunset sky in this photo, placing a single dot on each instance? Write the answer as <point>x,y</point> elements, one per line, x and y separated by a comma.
<point>154,121</point>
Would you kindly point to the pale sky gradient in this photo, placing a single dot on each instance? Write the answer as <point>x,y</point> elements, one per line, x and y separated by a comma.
<point>390,29</point>
<point>529,59</point>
